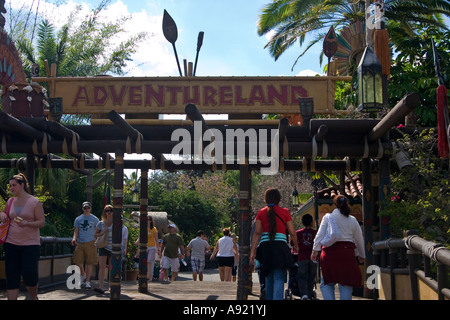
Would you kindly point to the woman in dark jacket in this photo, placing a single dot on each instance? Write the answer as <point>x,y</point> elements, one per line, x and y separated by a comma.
<point>269,244</point>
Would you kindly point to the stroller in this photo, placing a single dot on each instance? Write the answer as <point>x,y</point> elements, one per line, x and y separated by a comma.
<point>293,288</point>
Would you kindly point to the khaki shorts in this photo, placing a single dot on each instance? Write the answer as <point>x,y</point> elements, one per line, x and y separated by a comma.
<point>85,252</point>
<point>173,263</point>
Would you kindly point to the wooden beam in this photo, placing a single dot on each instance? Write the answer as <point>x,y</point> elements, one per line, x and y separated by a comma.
<point>402,109</point>
<point>289,165</point>
<point>124,126</point>
<point>295,149</point>
<point>11,124</point>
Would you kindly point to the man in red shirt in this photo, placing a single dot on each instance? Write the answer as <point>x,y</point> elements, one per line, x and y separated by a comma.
<point>307,269</point>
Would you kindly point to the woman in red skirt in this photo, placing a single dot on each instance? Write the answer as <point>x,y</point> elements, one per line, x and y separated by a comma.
<point>338,261</point>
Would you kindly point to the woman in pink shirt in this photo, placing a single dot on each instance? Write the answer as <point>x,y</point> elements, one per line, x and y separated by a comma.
<point>22,246</point>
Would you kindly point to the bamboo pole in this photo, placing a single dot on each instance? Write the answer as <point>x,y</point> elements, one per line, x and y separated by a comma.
<point>244,284</point>
<point>401,109</point>
<point>143,234</point>
<point>352,149</point>
<point>305,165</point>
<point>116,254</point>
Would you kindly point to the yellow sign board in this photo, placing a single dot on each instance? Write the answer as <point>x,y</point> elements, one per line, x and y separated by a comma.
<point>211,95</point>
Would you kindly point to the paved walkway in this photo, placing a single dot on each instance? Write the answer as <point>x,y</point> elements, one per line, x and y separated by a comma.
<point>211,288</point>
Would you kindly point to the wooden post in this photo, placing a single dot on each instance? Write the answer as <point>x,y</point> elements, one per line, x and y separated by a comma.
<point>30,168</point>
<point>143,235</point>
<point>383,193</point>
<point>244,273</point>
<point>116,255</point>
<point>368,209</point>
<point>414,257</point>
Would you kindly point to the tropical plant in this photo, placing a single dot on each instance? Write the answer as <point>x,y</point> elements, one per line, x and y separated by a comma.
<point>86,48</point>
<point>420,191</point>
<point>290,20</point>
<point>82,47</point>
<point>413,70</point>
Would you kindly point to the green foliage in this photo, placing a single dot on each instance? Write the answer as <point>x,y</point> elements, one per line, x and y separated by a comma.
<point>133,234</point>
<point>345,95</point>
<point>413,70</point>
<point>294,20</point>
<point>190,212</point>
<point>85,48</point>
<point>420,193</point>
<point>194,200</point>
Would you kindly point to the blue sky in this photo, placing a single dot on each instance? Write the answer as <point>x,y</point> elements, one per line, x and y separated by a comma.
<point>231,45</point>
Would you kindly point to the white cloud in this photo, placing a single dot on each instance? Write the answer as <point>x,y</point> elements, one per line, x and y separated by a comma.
<point>308,73</point>
<point>269,35</point>
<point>154,56</point>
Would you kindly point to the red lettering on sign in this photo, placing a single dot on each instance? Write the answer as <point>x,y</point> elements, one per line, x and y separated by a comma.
<point>136,95</point>
<point>188,99</point>
<point>117,98</point>
<point>82,95</point>
<point>173,94</point>
<point>297,92</point>
<point>151,94</point>
<point>273,94</point>
<point>100,96</point>
<point>257,94</point>
<point>239,99</point>
<point>225,95</point>
<point>209,94</point>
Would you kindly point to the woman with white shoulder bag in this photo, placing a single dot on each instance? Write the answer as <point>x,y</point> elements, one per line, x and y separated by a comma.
<point>340,241</point>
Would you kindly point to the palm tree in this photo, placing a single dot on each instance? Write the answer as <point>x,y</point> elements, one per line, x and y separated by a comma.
<point>87,50</point>
<point>292,20</point>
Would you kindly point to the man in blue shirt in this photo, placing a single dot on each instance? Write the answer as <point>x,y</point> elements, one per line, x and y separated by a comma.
<point>83,238</point>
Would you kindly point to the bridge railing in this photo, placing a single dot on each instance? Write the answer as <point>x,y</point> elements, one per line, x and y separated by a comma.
<point>412,268</point>
<point>56,256</point>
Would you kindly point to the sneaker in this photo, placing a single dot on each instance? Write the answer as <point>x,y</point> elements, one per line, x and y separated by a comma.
<point>305,297</point>
<point>99,290</point>
<point>83,278</point>
<point>87,285</point>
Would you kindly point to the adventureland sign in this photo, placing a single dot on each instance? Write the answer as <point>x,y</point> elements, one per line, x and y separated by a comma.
<point>211,95</point>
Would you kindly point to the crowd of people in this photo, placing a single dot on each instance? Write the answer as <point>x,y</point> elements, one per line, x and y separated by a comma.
<point>276,248</point>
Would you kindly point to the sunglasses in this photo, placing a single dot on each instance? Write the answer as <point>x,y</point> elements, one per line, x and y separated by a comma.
<point>108,210</point>
<point>86,207</point>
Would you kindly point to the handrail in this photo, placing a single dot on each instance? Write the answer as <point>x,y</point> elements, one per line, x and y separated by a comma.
<point>434,251</point>
<point>57,251</point>
<point>410,249</point>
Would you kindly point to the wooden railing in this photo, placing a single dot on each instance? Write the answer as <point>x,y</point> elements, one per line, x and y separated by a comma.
<point>412,269</point>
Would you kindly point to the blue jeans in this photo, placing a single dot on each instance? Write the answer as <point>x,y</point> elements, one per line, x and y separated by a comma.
<point>345,292</point>
<point>275,284</point>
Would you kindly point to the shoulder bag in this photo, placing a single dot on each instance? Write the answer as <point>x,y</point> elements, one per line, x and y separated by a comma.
<point>333,234</point>
<point>102,241</point>
<point>4,227</point>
